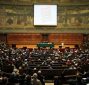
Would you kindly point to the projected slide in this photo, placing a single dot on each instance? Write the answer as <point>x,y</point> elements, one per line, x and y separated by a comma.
<point>45,15</point>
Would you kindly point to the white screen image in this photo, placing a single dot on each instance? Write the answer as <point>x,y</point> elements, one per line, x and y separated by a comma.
<point>45,15</point>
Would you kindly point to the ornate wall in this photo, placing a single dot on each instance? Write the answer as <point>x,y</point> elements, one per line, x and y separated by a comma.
<point>33,39</point>
<point>18,17</point>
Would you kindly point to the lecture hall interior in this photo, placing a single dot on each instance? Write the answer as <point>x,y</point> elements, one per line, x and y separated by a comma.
<point>46,41</point>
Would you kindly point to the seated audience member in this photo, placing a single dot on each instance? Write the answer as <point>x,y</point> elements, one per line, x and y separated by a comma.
<point>1,79</point>
<point>72,67</point>
<point>28,80</point>
<point>14,77</point>
<point>50,67</point>
<point>41,77</point>
<point>35,80</point>
<point>34,70</point>
<point>44,62</point>
<point>57,81</point>
<point>22,79</point>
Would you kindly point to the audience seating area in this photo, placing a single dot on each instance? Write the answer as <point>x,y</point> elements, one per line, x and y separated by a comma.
<point>61,67</point>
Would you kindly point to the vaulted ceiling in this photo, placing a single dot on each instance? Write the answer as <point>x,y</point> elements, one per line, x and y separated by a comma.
<point>31,2</point>
<point>48,1</point>
<point>52,0</point>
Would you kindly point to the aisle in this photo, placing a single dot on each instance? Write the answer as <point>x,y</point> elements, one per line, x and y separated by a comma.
<point>49,83</point>
<point>53,84</point>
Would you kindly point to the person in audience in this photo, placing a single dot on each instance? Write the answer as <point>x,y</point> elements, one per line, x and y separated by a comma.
<point>57,80</point>
<point>72,67</point>
<point>14,77</point>
<point>50,67</point>
<point>41,77</point>
<point>28,80</point>
<point>22,58</point>
<point>35,80</point>
<point>22,79</point>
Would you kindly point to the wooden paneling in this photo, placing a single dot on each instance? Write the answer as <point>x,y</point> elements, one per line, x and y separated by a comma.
<point>67,38</point>
<point>32,39</point>
<point>55,38</point>
<point>23,38</point>
<point>71,38</point>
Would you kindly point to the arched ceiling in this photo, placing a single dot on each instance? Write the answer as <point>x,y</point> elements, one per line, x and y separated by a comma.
<point>31,2</point>
<point>48,1</point>
<point>53,0</point>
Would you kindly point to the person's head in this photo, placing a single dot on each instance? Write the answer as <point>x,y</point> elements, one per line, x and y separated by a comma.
<point>34,75</point>
<point>39,72</point>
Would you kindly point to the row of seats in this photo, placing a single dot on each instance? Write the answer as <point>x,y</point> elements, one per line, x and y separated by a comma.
<point>47,67</point>
<point>49,74</point>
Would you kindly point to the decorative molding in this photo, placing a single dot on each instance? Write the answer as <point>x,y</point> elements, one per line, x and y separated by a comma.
<point>62,30</point>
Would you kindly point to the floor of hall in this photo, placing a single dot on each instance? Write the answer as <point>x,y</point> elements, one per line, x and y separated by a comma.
<point>53,84</point>
<point>49,83</point>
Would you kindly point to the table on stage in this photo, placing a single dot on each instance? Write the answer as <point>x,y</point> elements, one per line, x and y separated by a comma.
<point>45,44</point>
